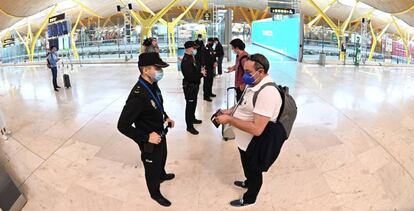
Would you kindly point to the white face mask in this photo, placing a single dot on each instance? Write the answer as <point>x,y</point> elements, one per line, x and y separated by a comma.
<point>200,39</point>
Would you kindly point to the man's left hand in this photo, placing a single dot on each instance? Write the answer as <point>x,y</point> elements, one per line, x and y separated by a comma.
<point>170,122</point>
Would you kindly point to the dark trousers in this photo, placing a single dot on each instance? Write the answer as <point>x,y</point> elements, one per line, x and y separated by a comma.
<point>254,179</point>
<point>208,85</point>
<point>54,75</point>
<point>220,65</point>
<point>239,93</point>
<point>190,93</point>
<point>154,164</point>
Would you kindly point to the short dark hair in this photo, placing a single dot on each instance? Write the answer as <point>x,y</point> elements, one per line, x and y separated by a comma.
<point>260,62</point>
<point>200,36</point>
<point>216,39</point>
<point>210,39</point>
<point>238,43</point>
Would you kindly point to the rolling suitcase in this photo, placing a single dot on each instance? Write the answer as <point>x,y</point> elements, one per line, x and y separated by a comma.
<point>66,81</point>
<point>227,130</point>
<point>66,78</point>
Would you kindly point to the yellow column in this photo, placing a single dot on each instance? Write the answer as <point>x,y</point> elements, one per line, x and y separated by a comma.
<point>171,29</point>
<point>45,21</point>
<point>205,4</point>
<point>87,9</point>
<point>318,17</point>
<point>265,13</point>
<point>246,18</point>
<point>25,43</point>
<point>147,24</point>
<point>72,38</point>
<point>405,41</point>
<point>346,23</point>
<point>375,39</point>
<point>334,27</point>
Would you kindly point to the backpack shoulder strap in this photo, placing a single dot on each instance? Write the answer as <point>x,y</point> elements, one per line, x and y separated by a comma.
<point>256,94</point>
<point>279,89</point>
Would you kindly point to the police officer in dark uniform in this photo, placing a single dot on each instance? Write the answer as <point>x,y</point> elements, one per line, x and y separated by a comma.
<point>143,119</point>
<point>191,83</point>
<point>210,61</point>
<point>200,55</point>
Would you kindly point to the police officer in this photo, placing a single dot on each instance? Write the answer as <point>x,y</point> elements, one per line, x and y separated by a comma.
<point>143,119</point>
<point>200,55</point>
<point>191,83</point>
<point>210,61</point>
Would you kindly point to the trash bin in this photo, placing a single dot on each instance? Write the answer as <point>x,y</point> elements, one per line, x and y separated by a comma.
<point>180,55</point>
<point>10,196</point>
<point>322,59</point>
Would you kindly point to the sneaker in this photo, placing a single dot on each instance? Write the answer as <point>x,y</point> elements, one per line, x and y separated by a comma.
<point>213,95</point>
<point>4,137</point>
<point>239,203</point>
<point>56,90</point>
<point>240,184</point>
<point>162,201</point>
<point>167,177</point>
<point>58,87</point>
<point>207,99</point>
<point>192,131</point>
<point>196,121</point>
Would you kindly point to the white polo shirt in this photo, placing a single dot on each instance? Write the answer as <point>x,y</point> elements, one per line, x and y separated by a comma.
<point>268,104</point>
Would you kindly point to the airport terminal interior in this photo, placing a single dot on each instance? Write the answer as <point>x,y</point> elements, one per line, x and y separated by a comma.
<point>347,64</point>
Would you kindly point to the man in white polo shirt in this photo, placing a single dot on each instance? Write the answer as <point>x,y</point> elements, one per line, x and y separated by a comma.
<point>249,121</point>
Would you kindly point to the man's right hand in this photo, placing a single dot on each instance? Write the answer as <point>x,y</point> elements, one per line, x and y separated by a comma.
<point>154,138</point>
<point>230,69</point>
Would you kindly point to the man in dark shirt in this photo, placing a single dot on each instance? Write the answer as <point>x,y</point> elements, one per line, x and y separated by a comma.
<point>219,52</point>
<point>191,83</point>
<point>210,61</point>
<point>143,119</point>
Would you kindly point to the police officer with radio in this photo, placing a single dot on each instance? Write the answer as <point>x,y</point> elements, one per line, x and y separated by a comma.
<point>191,83</point>
<point>211,64</point>
<point>143,119</point>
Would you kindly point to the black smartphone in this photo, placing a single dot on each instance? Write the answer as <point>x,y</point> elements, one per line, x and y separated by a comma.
<point>218,113</point>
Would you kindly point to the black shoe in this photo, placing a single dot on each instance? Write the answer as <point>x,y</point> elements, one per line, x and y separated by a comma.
<point>240,184</point>
<point>207,99</point>
<point>192,131</point>
<point>213,95</point>
<point>196,121</point>
<point>56,90</point>
<point>239,203</point>
<point>58,87</point>
<point>162,201</point>
<point>167,177</point>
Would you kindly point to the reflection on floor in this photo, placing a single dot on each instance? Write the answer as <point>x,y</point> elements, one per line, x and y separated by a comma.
<point>352,147</point>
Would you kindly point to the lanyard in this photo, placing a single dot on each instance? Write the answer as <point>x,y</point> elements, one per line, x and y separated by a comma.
<point>156,99</point>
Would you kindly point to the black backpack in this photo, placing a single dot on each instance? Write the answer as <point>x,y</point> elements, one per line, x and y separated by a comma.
<point>47,60</point>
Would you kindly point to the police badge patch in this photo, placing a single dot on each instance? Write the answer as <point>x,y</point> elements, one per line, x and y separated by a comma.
<point>153,104</point>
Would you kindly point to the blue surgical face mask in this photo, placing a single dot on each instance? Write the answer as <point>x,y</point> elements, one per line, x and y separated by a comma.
<point>249,79</point>
<point>158,75</point>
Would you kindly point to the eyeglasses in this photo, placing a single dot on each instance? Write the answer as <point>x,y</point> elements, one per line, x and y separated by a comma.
<point>251,58</point>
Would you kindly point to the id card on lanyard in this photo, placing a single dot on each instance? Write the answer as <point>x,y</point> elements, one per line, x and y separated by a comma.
<point>157,98</point>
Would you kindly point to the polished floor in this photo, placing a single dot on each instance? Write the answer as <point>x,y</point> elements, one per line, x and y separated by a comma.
<point>352,147</point>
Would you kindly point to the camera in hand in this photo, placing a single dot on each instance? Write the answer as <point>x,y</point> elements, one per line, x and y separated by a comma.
<point>213,118</point>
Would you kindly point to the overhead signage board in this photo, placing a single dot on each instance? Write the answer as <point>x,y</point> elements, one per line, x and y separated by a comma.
<point>282,11</point>
<point>57,18</point>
